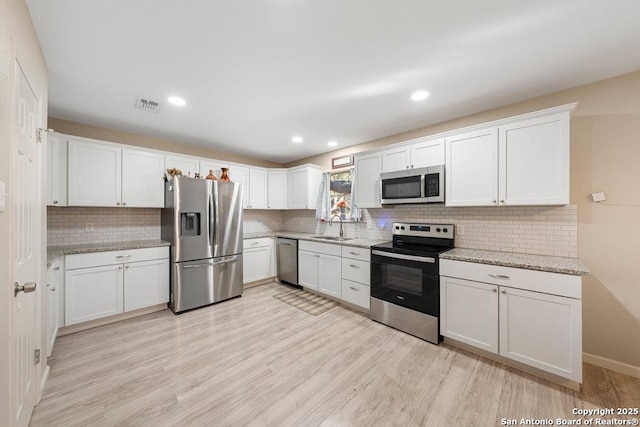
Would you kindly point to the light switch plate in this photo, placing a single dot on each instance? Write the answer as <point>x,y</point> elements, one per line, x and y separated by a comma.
<point>598,197</point>
<point>3,196</point>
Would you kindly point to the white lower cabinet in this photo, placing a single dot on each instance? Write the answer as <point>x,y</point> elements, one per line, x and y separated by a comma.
<point>258,259</point>
<point>54,290</point>
<point>510,312</point>
<point>102,284</point>
<point>356,276</point>
<point>319,267</point>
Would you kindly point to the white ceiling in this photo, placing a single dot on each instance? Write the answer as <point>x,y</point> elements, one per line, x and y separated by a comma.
<point>255,73</point>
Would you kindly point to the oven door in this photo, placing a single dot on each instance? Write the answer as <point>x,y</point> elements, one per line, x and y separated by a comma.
<point>406,280</point>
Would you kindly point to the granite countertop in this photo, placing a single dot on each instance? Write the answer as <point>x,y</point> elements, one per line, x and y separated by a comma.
<point>357,243</point>
<point>549,264</point>
<point>54,252</point>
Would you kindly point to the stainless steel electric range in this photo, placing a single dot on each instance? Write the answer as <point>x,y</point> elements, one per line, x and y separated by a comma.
<point>405,281</point>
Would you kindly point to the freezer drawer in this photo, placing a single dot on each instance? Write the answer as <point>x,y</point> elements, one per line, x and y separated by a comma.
<point>203,282</point>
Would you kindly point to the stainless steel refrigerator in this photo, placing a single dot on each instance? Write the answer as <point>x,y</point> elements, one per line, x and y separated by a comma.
<point>202,220</point>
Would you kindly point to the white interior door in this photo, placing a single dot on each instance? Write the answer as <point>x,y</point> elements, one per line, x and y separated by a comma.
<point>25,248</point>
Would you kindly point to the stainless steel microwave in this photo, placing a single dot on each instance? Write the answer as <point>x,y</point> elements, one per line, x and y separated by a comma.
<point>420,185</point>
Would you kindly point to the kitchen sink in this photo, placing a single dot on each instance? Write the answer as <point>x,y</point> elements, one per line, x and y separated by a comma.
<point>333,238</point>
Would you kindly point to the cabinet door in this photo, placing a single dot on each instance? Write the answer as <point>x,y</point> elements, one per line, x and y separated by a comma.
<point>395,159</point>
<point>257,188</point>
<point>277,189</point>
<point>308,269</point>
<point>472,169</point>
<point>94,174</point>
<point>92,293</point>
<point>146,283</point>
<point>142,182</point>
<point>427,153</point>
<point>53,304</point>
<point>240,175</point>
<point>297,189</point>
<point>534,161</point>
<point>189,167</point>
<point>330,275</point>
<point>257,264</point>
<point>469,312</point>
<point>57,171</point>
<point>542,330</point>
<point>368,167</point>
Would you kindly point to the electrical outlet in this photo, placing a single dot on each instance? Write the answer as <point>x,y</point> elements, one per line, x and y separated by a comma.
<point>89,227</point>
<point>598,197</point>
<point>460,230</point>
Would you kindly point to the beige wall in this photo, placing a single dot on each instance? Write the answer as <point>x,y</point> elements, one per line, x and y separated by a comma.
<point>605,156</point>
<point>88,131</point>
<point>17,40</point>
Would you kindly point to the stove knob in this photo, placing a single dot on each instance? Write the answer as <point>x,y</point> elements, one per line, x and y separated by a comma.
<point>402,228</point>
<point>397,228</point>
<point>438,230</point>
<point>445,230</point>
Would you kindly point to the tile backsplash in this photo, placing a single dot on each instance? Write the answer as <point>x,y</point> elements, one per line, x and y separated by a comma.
<point>542,230</point>
<point>68,226</point>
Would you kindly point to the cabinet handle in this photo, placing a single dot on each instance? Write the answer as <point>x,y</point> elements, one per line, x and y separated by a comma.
<point>255,243</point>
<point>494,290</point>
<point>411,166</point>
<point>494,202</point>
<point>57,268</point>
<point>55,202</point>
<point>123,257</point>
<point>498,276</point>
<point>354,266</point>
<point>354,253</point>
<point>126,266</point>
<point>354,289</point>
<point>117,203</point>
<point>502,201</point>
<point>503,292</point>
<point>407,166</point>
<point>124,203</point>
<point>120,268</point>
<point>53,289</point>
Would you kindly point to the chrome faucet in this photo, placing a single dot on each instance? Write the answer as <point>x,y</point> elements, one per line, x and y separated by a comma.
<point>331,223</point>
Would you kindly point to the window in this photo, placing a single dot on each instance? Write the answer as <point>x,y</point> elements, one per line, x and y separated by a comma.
<point>340,194</point>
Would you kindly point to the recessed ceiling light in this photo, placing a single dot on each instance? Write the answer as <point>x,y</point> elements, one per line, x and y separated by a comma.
<point>332,143</point>
<point>297,139</point>
<point>177,101</point>
<point>420,95</point>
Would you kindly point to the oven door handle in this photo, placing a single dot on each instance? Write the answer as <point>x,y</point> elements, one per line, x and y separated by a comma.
<point>403,256</point>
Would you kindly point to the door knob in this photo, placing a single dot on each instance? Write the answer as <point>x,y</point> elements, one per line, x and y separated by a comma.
<point>26,288</point>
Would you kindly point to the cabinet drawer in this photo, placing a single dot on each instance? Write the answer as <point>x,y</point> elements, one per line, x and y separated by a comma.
<point>259,242</point>
<point>356,293</point>
<point>357,271</point>
<point>115,257</point>
<point>356,253</point>
<point>321,248</point>
<point>532,280</point>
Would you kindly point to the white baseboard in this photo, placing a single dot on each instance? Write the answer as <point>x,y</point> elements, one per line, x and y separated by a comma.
<point>614,365</point>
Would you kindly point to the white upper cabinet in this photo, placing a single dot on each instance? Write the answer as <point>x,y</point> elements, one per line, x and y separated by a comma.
<point>534,161</point>
<point>471,171</point>
<point>428,152</point>
<point>240,174</point>
<point>421,153</point>
<point>188,166</point>
<point>57,170</point>
<point>304,183</point>
<point>519,163</point>
<point>368,168</point>
<point>142,179</point>
<point>102,174</point>
<point>257,188</point>
<point>277,188</point>
<point>94,174</point>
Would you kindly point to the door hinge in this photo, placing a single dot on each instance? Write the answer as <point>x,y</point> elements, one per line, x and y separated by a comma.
<point>40,130</point>
<point>36,356</point>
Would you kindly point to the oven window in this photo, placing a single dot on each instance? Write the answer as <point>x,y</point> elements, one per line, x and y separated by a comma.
<point>401,188</point>
<point>402,278</point>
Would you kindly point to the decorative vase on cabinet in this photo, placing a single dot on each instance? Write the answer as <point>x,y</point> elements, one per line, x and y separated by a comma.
<point>225,175</point>
<point>211,175</point>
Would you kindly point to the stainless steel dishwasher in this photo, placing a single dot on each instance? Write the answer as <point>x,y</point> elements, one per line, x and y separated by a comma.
<point>287,254</point>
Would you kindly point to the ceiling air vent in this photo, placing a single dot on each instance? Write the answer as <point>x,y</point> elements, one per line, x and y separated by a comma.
<point>145,104</point>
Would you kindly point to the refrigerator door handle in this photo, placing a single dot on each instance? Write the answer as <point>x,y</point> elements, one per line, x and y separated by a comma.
<point>197,265</point>
<point>226,261</point>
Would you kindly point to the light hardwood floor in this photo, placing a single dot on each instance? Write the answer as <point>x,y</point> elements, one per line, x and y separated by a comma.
<point>258,361</point>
